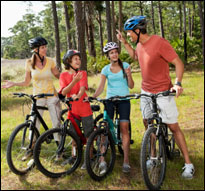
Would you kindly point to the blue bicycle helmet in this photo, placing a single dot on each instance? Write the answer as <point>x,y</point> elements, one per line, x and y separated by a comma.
<point>135,22</point>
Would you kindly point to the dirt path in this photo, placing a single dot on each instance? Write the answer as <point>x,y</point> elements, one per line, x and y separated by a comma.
<point>6,62</point>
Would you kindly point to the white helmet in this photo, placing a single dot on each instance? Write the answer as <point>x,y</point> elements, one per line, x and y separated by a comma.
<point>110,46</point>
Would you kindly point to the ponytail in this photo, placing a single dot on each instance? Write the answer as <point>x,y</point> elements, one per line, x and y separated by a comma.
<point>33,61</point>
<point>123,70</point>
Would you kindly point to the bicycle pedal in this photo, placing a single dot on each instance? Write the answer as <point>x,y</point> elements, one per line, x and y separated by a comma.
<point>131,141</point>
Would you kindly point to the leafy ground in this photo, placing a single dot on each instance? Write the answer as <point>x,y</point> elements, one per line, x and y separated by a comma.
<point>191,120</point>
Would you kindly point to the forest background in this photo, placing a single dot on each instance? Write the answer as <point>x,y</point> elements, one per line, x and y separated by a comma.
<point>89,25</point>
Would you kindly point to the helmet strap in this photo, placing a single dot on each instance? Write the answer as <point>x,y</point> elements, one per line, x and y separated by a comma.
<point>138,35</point>
<point>76,70</point>
<point>41,59</point>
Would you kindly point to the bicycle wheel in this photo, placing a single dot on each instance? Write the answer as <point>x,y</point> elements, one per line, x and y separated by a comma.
<point>47,157</point>
<point>18,148</point>
<point>153,159</point>
<point>100,148</point>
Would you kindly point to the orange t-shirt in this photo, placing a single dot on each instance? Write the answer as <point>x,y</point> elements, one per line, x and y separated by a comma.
<point>154,56</point>
<point>79,107</point>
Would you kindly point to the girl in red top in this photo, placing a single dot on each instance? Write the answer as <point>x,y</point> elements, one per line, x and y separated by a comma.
<point>73,83</point>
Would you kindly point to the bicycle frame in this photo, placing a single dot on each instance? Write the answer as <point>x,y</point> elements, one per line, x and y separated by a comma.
<point>72,117</point>
<point>35,113</point>
<point>111,126</point>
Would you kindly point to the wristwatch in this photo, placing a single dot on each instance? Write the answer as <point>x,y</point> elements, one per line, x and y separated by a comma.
<point>178,83</point>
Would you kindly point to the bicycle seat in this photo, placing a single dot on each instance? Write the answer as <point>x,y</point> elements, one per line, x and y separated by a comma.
<point>95,107</point>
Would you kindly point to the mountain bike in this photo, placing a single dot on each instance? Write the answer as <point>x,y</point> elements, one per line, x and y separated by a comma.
<point>158,144</point>
<point>23,138</point>
<point>103,140</point>
<point>61,157</point>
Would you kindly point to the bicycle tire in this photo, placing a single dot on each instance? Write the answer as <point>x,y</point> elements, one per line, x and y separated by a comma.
<point>14,141</point>
<point>46,163</point>
<point>94,161</point>
<point>145,155</point>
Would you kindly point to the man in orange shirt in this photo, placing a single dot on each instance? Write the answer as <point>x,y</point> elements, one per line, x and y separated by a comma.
<point>154,53</point>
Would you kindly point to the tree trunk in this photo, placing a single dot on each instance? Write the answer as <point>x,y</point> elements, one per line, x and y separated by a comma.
<point>57,40</point>
<point>120,22</point>
<point>153,24</point>
<point>180,20</point>
<point>202,25</point>
<point>185,34</point>
<point>192,21</point>
<point>80,24</point>
<point>99,19</point>
<point>108,18</point>
<point>67,22</point>
<point>90,37</point>
<point>141,9</point>
<point>160,20</point>
<point>189,22</point>
<point>114,38</point>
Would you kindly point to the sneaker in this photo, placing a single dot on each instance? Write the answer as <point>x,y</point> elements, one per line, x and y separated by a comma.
<point>103,167</point>
<point>188,171</point>
<point>71,160</point>
<point>126,168</point>
<point>83,167</point>
<point>27,155</point>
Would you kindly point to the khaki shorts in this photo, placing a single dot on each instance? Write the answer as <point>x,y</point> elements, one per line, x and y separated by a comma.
<point>166,104</point>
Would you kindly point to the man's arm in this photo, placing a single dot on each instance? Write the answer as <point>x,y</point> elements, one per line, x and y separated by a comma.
<point>179,69</point>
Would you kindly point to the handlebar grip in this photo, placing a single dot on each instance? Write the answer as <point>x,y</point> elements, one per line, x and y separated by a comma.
<point>48,94</point>
<point>44,95</point>
<point>16,94</point>
<point>19,94</point>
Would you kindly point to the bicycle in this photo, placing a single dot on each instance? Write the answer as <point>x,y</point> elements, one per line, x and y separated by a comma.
<point>22,139</point>
<point>62,157</point>
<point>104,139</point>
<point>158,144</point>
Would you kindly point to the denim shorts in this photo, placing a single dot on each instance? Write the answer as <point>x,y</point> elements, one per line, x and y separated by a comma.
<point>87,125</point>
<point>122,107</point>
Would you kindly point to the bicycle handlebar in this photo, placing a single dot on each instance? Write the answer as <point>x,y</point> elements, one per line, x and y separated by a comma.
<point>133,96</point>
<point>32,96</point>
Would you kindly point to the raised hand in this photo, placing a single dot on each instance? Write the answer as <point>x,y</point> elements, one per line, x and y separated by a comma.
<point>128,71</point>
<point>8,84</point>
<point>120,37</point>
<point>78,77</point>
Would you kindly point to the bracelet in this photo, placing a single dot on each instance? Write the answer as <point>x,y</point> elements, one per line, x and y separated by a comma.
<point>178,84</point>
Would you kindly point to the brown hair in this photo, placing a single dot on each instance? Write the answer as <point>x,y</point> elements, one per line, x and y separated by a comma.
<point>123,70</point>
<point>33,61</point>
<point>67,64</point>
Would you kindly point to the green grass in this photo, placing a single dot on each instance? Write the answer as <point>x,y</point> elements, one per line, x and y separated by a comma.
<point>191,119</point>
